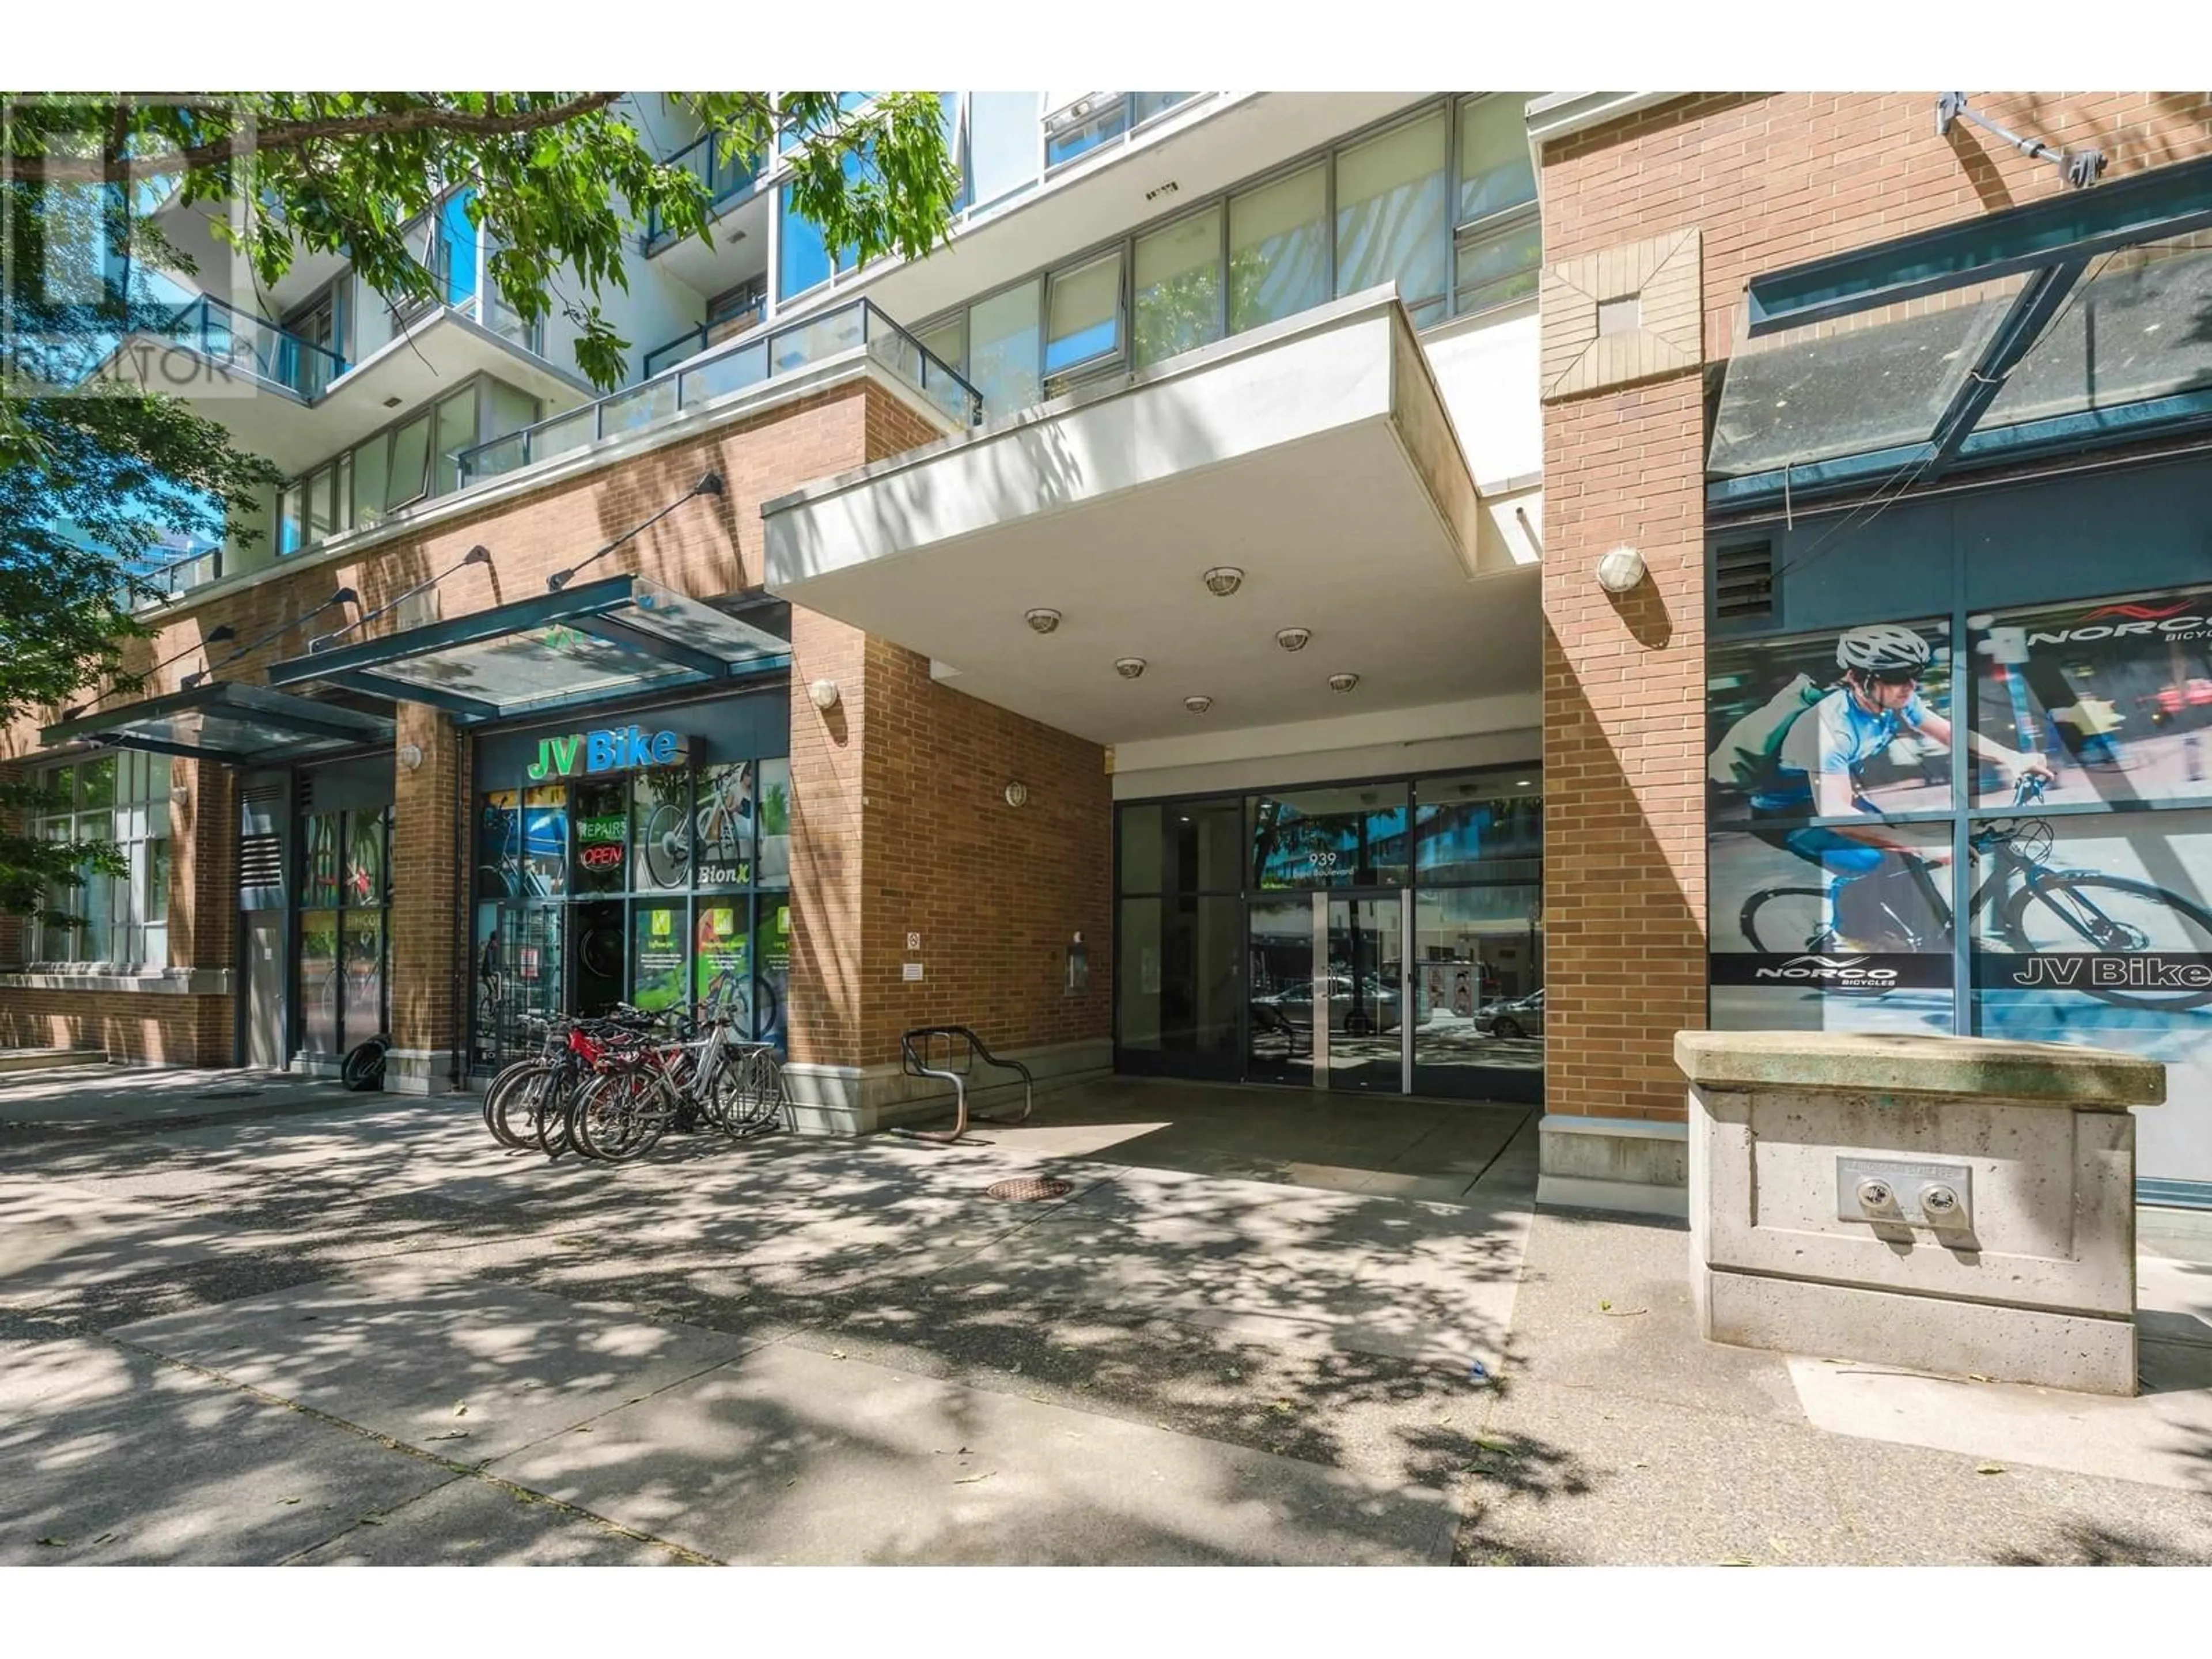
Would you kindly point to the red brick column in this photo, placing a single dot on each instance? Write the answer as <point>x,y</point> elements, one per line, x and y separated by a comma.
<point>428,873</point>
<point>1623,751</point>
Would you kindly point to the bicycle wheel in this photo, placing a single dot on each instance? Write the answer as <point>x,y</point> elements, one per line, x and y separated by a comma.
<point>667,846</point>
<point>557,1121</point>
<point>364,1066</point>
<point>511,1104</point>
<point>1782,920</point>
<point>2083,912</point>
<point>618,1117</point>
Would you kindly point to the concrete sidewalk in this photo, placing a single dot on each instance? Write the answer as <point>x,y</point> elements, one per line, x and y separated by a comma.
<point>361,1332</point>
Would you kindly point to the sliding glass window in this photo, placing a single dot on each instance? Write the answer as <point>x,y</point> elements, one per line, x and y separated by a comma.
<point>1390,217</point>
<point>1178,288</point>
<point>1278,250</point>
<point>1003,334</point>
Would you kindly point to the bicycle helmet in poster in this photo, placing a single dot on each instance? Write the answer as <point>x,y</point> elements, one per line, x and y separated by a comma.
<point>1885,648</point>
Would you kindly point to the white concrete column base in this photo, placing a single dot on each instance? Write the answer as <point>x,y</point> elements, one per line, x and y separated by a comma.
<point>1630,1166</point>
<point>859,1100</point>
<point>418,1071</point>
<point>2037,1345</point>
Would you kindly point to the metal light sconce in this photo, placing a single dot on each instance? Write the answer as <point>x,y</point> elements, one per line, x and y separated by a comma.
<point>410,756</point>
<point>1293,638</point>
<point>1198,705</point>
<point>1017,794</point>
<point>1620,570</point>
<point>1224,579</point>
<point>824,695</point>
<point>1130,667</point>
<point>1342,682</point>
<point>180,794</point>
<point>1041,620</point>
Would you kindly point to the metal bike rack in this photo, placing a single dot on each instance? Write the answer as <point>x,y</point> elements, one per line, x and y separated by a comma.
<point>964,1046</point>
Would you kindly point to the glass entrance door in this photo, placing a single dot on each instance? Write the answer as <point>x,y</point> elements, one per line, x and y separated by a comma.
<point>1365,983</point>
<point>1328,999</point>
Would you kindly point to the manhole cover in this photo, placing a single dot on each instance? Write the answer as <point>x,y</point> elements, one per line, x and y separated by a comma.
<point>1028,1189</point>
<point>229,1094</point>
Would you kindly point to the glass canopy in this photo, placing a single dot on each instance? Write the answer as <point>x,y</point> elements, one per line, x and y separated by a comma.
<point>2069,322</point>
<point>240,725</point>
<point>585,644</point>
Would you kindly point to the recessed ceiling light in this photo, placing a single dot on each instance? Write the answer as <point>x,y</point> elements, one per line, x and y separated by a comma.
<point>1198,705</point>
<point>1523,783</point>
<point>1042,620</point>
<point>1342,682</point>
<point>1224,579</point>
<point>1293,638</point>
<point>1130,667</point>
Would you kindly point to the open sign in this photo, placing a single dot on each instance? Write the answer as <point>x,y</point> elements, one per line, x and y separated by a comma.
<point>601,855</point>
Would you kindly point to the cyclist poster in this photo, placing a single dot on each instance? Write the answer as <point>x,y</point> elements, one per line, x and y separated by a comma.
<point>1851,721</point>
<point>1830,908</point>
<point>2115,694</point>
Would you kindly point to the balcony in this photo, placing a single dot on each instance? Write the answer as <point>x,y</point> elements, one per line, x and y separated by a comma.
<point>222,334</point>
<point>725,178</point>
<point>689,344</point>
<point>858,326</point>
<point>1083,122</point>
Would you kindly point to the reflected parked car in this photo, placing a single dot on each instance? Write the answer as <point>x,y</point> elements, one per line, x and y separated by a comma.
<point>1520,1016</point>
<point>1375,1008</point>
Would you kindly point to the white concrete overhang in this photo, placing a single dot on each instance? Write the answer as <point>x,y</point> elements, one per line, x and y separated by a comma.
<point>1315,455</point>
<point>437,355</point>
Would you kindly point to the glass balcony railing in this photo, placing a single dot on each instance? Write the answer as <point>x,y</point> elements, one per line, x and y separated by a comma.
<point>252,346</point>
<point>167,578</point>
<point>1099,118</point>
<point>860,325</point>
<point>725,176</point>
<point>693,341</point>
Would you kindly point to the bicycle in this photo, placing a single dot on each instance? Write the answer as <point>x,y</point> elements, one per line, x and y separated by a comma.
<point>642,1090</point>
<point>2034,907</point>
<point>723,823</point>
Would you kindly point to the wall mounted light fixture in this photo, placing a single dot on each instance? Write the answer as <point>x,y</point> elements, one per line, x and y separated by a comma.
<point>1017,794</point>
<point>410,756</point>
<point>1620,570</point>
<point>825,695</point>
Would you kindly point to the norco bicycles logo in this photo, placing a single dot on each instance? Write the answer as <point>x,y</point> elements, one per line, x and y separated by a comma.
<point>1848,971</point>
<point>2138,622</point>
<point>623,749</point>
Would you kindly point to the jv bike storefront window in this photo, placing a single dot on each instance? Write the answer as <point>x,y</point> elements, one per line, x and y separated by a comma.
<point>2043,770</point>
<point>633,862</point>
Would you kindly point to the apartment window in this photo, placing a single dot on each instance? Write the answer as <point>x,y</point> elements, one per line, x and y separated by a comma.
<point>1177,279</point>
<point>947,342</point>
<point>313,508</point>
<point>1083,314</point>
<point>1002,348</point>
<point>1497,238</point>
<point>1390,215</point>
<point>1078,122</point>
<point>1005,144</point>
<point>1279,249</point>
<point>806,261</point>
<point>122,797</point>
<point>316,346</point>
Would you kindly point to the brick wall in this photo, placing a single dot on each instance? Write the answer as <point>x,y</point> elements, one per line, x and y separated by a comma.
<point>1768,181</point>
<point>901,825</point>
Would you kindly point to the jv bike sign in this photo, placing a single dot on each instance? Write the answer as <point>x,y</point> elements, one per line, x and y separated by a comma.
<point>622,749</point>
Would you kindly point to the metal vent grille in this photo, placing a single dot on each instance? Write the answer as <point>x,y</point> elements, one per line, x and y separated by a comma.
<point>1743,582</point>
<point>260,864</point>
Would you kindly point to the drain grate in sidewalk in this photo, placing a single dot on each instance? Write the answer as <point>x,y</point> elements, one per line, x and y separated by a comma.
<point>230,1094</point>
<point>1028,1189</point>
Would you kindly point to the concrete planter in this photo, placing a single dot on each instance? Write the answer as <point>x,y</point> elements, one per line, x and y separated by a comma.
<point>1948,1204</point>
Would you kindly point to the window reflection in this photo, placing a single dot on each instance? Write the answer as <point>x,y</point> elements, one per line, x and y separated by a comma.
<point>1348,837</point>
<point>1479,828</point>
